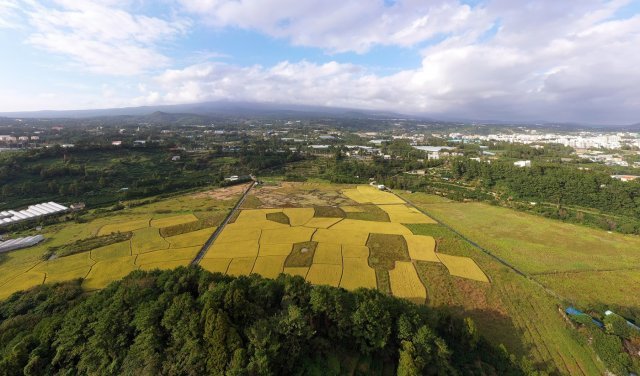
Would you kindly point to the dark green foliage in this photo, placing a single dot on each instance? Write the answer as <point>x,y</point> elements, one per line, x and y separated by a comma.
<point>328,212</point>
<point>386,249</point>
<point>184,228</point>
<point>279,217</point>
<point>369,213</point>
<point>298,258</point>
<point>85,245</point>
<point>554,184</point>
<point>191,322</point>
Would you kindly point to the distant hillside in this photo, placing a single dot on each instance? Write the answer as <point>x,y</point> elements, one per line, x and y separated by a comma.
<point>221,108</point>
<point>192,322</point>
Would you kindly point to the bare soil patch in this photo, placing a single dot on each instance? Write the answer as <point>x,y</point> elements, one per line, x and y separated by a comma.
<point>225,193</point>
<point>298,195</point>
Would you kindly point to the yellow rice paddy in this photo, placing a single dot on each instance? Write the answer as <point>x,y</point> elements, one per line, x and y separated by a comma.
<point>325,274</point>
<point>357,273</point>
<point>463,267</point>
<point>405,282</point>
<point>269,266</point>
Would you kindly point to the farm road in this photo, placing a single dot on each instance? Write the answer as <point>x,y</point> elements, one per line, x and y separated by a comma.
<point>217,232</point>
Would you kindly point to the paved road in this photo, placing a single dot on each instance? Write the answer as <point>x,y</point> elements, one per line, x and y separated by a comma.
<point>217,232</point>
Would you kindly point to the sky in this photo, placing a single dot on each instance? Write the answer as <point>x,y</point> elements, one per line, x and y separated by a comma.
<point>569,60</point>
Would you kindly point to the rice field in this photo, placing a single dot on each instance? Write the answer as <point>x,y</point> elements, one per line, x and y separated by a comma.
<point>334,230</point>
<point>104,272</point>
<point>147,248</point>
<point>194,238</point>
<point>405,282</point>
<point>325,274</point>
<point>366,194</point>
<point>357,273</point>
<point>463,267</point>
<point>339,253</point>
<point>269,266</point>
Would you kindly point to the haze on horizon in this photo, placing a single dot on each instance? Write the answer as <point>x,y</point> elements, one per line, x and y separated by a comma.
<point>496,59</point>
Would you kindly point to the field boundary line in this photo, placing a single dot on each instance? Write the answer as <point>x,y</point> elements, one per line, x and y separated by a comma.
<point>216,233</point>
<point>486,251</point>
<point>631,268</point>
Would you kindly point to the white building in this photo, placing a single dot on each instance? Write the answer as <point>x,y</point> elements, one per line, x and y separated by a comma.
<point>522,163</point>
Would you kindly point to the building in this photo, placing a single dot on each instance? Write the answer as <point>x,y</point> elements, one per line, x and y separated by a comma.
<point>625,178</point>
<point>437,152</point>
<point>526,163</point>
<point>13,244</point>
<point>34,211</point>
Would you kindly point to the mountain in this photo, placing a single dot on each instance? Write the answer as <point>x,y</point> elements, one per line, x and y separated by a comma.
<point>220,108</point>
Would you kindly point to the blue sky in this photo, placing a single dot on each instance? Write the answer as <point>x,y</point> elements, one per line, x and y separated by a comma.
<point>500,59</point>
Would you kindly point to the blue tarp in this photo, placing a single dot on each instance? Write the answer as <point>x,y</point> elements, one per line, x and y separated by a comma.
<point>574,312</point>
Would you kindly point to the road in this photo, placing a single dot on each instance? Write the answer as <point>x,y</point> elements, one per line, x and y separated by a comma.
<point>217,232</point>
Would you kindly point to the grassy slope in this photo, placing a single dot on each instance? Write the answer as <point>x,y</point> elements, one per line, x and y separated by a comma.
<point>510,305</point>
<point>585,265</point>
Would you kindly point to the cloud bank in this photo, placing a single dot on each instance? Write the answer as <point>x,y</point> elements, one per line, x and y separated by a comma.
<point>563,61</point>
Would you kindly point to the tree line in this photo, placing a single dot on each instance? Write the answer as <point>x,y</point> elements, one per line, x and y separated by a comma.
<point>192,322</point>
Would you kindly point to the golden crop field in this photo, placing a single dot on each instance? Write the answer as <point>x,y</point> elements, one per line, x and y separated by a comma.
<point>189,239</point>
<point>341,255</point>
<point>340,236</point>
<point>296,270</point>
<point>174,254</point>
<point>422,248</point>
<point>104,272</point>
<point>288,235</point>
<point>350,250</point>
<point>217,265</point>
<point>275,249</point>
<point>241,266</point>
<point>173,220</point>
<point>320,222</point>
<point>356,273</point>
<point>401,213</point>
<point>22,282</point>
<point>328,253</point>
<point>243,248</point>
<point>25,268</point>
<point>367,194</point>
<point>269,266</point>
<point>111,251</point>
<point>354,225</point>
<point>299,216</point>
<point>124,226</point>
<point>164,265</point>
<point>463,267</point>
<point>253,243</point>
<point>325,274</point>
<point>146,240</point>
<point>405,282</point>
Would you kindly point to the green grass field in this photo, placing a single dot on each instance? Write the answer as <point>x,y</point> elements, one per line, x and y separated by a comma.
<point>587,266</point>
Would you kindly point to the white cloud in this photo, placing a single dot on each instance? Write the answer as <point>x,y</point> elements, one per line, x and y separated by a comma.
<point>547,60</point>
<point>526,60</point>
<point>343,25</point>
<point>101,38</point>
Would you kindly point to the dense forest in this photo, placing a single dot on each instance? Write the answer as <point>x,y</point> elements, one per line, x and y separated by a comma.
<point>555,184</point>
<point>192,322</point>
<point>103,175</point>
